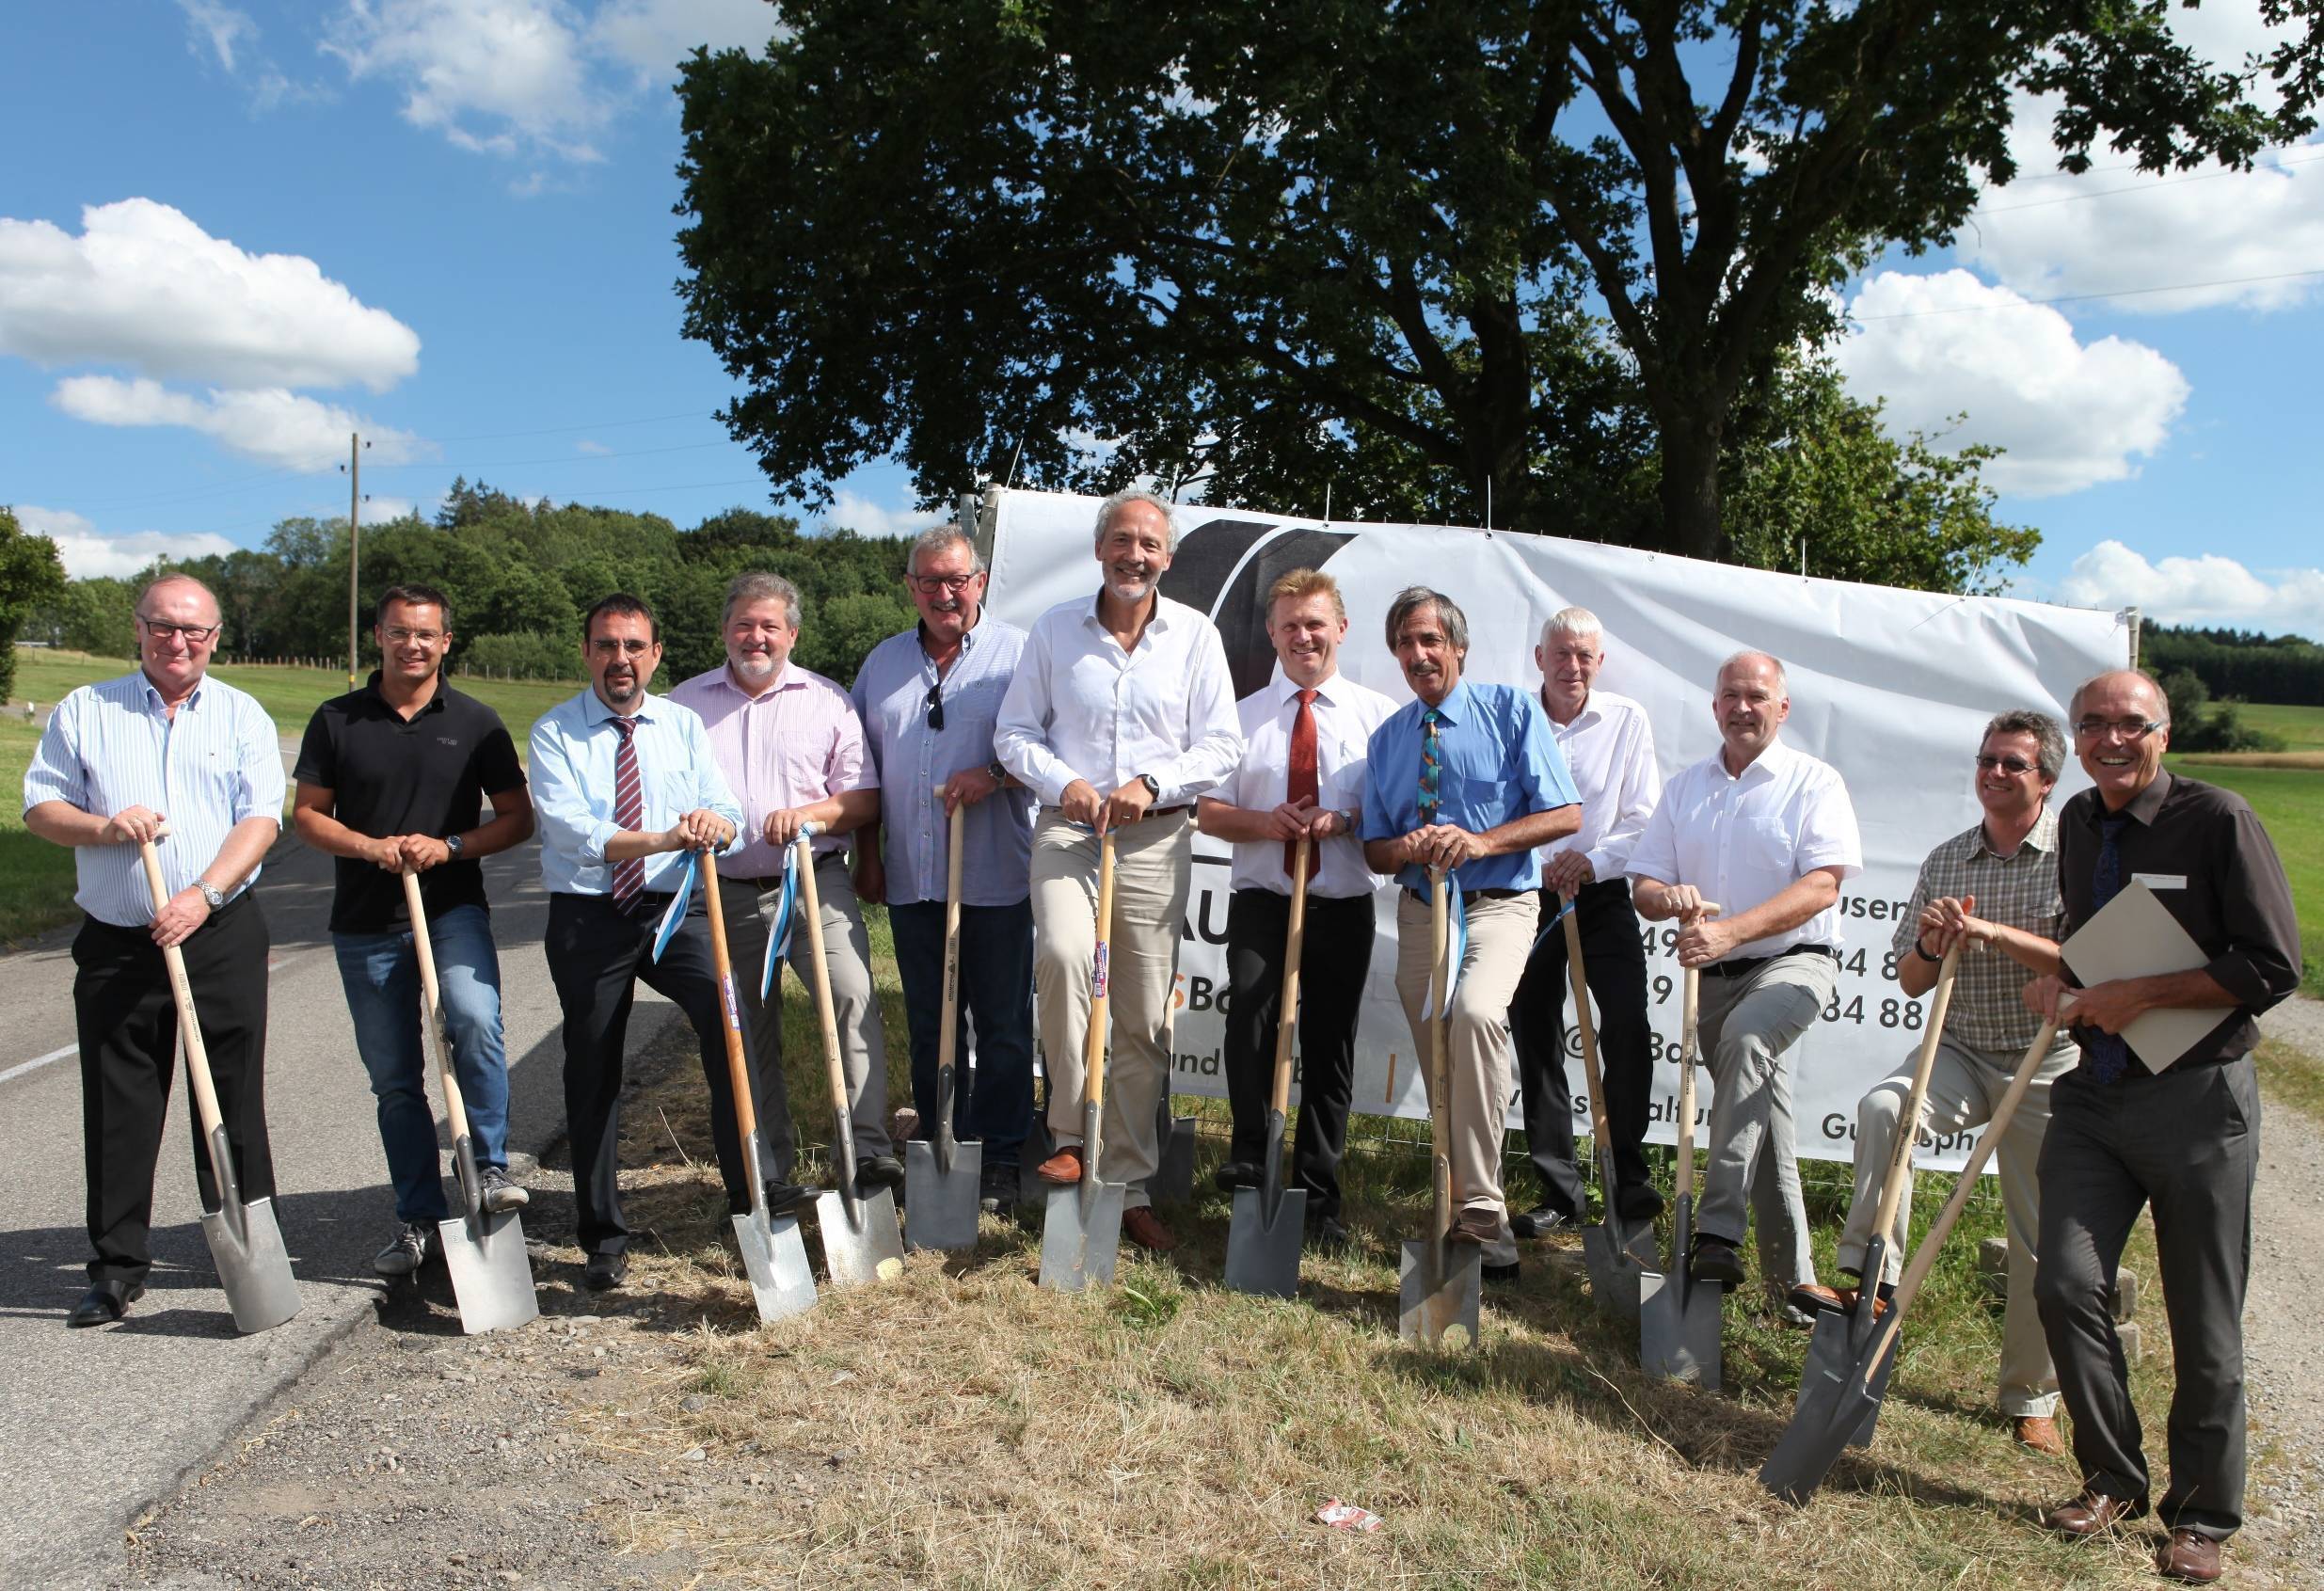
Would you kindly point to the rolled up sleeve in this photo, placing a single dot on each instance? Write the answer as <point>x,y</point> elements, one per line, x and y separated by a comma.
<point>57,773</point>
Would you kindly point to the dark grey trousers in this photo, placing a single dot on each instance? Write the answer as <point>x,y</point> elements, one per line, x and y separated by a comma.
<point>2188,1143</point>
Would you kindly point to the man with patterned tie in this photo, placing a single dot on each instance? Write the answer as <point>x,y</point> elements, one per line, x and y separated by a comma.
<point>2184,1140</point>
<point>1304,734</point>
<point>1467,778</point>
<point>623,781</point>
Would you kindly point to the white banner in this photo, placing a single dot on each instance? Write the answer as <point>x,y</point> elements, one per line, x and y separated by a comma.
<point>1892,688</point>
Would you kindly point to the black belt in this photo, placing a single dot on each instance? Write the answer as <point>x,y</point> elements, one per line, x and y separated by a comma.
<point>1150,812</point>
<point>1422,894</point>
<point>1739,965</point>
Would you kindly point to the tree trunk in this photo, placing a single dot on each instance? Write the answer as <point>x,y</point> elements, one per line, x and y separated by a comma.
<point>1690,486</point>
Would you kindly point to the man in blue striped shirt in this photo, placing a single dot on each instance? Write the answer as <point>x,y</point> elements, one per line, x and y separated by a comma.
<point>622,782</point>
<point>118,761</point>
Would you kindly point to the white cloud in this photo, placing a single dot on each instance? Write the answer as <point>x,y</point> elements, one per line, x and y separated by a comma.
<point>2071,414</point>
<point>2207,590</point>
<point>273,424</point>
<point>144,286</point>
<point>852,510</point>
<point>87,552</point>
<point>653,36</point>
<point>220,26</point>
<point>380,510</point>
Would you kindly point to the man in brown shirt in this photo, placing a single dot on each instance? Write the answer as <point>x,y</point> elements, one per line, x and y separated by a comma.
<point>2185,1140</point>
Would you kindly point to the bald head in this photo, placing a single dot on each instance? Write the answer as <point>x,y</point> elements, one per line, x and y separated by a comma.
<point>2134,683</point>
<point>173,590</point>
<point>1750,703</point>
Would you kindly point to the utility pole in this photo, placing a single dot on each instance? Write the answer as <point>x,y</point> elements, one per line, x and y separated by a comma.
<point>355,504</point>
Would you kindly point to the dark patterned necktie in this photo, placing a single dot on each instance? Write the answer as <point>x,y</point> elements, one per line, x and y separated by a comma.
<point>1428,769</point>
<point>2106,1054</point>
<point>1303,784</point>
<point>628,814</point>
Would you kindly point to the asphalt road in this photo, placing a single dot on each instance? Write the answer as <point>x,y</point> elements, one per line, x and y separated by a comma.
<point>101,1423</point>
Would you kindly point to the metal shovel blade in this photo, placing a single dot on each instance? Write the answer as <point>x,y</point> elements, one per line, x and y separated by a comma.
<point>1837,1410</point>
<point>944,1204</point>
<point>1614,1267</point>
<point>774,1257</point>
<point>860,1246</point>
<point>1679,1325</point>
<point>1081,1237</point>
<point>254,1268</point>
<point>491,1273</point>
<point>1439,1289</point>
<point>1263,1255</point>
<point>1172,1182</point>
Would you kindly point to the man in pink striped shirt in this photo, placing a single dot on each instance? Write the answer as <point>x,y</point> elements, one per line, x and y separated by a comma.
<point>792,750</point>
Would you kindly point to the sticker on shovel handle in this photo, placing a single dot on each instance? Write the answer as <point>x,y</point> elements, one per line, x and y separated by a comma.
<point>1097,974</point>
<point>1346,1516</point>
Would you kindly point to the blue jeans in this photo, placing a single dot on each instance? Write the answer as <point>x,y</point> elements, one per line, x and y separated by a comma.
<point>996,989</point>
<point>382,978</point>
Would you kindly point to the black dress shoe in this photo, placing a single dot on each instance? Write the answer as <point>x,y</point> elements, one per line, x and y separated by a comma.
<point>605,1272</point>
<point>997,1186</point>
<point>1715,1260</point>
<point>783,1198</point>
<point>1237,1173</point>
<point>105,1303</point>
<point>1540,1221</point>
<point>1640,1204</point>
<point>1329,1234</point>
<point>876,1171</point>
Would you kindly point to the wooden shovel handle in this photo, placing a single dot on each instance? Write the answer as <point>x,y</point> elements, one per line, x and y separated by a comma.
<point>1690,1012</point>
<point>948,1040</point>
<point>432,1007</point>
<point>810,898</point>
<point>1588,1030</point>
<point>729,1004</point>
<point>1101,981</point>
<point>189,1025</point>
<point>1916,1099</point>
<point>1440,1076</point>
<point>1287,1010</point>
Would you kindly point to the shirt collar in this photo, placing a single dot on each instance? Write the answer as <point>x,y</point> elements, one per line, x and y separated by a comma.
<point>1590,712</point>
<point>152,697</point>
<point>2042,837</point>
<point>433,704</point>
<point>1287,691</point>
<point>1770,762</point>
<point>2148,802</point>
<point>594,712</point>
<point>1159,619</point>
<point>1455,706</point>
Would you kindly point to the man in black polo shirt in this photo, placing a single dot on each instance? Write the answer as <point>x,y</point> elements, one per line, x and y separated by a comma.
<point>2184,1140</point>
<point>392,777</point>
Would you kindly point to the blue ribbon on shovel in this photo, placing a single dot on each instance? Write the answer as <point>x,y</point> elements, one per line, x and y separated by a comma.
<point>778,931</point>
<point>677,913</point>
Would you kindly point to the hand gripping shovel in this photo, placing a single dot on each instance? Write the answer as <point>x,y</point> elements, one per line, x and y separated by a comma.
<point>1840,1339</point>
<point>1678,1317</point>
<point>1615,1254</point>
<point>1081,1233</point>
<point>1263,1240</point>
<point>1438,1290</point>
<point>773,1256</point>
<point>1833,1408</point>
<point>491,1273</point>
<point>942,1176</point>
<point>245,1244</point>
<point>861,1243</point>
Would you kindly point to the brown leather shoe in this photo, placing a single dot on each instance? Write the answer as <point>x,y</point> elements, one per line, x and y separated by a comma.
<point>1144,1228</point>
<point>2188,1555</point>
<point>1063,1168</point>
<point>1815,1298</point>
<point>1474,1226</point>
<point>2094,1513</point>
<point>2039,1433</point>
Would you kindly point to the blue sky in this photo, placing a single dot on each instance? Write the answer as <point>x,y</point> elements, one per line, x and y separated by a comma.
<point>234,230</point>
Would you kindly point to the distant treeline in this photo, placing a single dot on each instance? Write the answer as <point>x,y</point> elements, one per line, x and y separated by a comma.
<point>2241,666</point>
<point>519,576</point>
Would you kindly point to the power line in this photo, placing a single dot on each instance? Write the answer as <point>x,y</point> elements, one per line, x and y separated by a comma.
<point>2086,297</point>
<point>2141,187</point>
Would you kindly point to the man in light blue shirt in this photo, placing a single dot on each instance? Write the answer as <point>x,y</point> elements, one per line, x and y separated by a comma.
<point>119,759</point>
<point>1467,778</point>
<point>622,782</point>
<point>929,699</point>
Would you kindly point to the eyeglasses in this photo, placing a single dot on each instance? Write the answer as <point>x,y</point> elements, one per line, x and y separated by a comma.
<point>425,637</point>
<point>934,584</point>
<point>2128,728</point>
<point>935,707</point>
<point>195,633</point>
<point>2012,766</point>
<point>607,646</point>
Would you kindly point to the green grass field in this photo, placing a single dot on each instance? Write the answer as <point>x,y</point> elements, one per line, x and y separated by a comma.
<point>2290,802</point>
<point>2303,728</point>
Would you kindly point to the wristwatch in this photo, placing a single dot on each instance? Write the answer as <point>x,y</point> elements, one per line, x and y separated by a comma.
<point>999,774</point>
<point>1153,785</point>
<point>209,893</point>
<point>454,844</point>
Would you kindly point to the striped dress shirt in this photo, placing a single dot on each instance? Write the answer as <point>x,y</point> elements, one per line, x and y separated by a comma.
<point>2017,891</point>
<point>794,744</point>
<point>574,744</point>
<point>113,745</point>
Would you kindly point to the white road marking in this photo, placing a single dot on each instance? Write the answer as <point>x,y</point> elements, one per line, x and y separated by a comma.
<point>39,1062</point>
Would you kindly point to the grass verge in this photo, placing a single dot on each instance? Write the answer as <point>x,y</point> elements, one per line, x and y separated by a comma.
<point>36,878</point>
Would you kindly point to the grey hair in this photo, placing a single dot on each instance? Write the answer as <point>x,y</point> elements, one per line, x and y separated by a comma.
<point>1128,495</point>
<point>759,586</point>
<point>2048,734</point>
<point>1412,599</point>
<point>936,538</point>
<point>1580,623</point>
<point>159,580</point>
<point>1751,654</point>
<point>2162,698</point>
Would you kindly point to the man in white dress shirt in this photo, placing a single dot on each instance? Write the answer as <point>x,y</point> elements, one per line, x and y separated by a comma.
<point>1609,750</point>
<point>1304,734</point>
<point>1767,833</point>
<point>1121,713</point>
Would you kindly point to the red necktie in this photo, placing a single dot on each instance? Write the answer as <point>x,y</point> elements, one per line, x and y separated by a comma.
<point>1302,788</point>
<point>629,814</point>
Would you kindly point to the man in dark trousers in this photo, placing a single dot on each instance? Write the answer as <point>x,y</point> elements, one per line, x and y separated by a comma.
<point>2184,1140</point>
<point>164,744</point>
<point>393,778</point>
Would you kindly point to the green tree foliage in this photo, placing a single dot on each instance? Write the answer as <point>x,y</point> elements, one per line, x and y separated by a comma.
<point>2200,724</point>
<point>1817,480</point>
<point>30,574</point>
<point>1294,244</point>
<point>87,615</point>
<point>2288,669</point>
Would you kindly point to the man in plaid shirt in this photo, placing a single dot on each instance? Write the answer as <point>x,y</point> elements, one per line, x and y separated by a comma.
<point>2005,869</point>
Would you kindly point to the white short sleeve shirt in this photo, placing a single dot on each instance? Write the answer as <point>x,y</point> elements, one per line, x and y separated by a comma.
<point>1345,715</point>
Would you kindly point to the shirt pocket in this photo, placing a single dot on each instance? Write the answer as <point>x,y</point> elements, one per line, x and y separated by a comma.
<point>1765,845</point>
